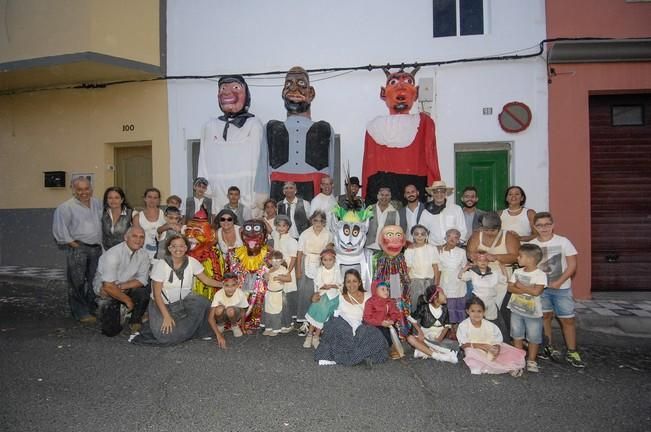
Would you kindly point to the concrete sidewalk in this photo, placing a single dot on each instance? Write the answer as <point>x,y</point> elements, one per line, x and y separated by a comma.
<point>616,313</point>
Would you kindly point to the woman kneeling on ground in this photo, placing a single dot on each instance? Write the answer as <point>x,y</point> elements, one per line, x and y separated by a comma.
<point>177,314</point>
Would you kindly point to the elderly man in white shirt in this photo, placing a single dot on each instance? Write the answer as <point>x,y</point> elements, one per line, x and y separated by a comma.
<point>383,214</point>
<point>446,214</point>
<point>121,278</point>
<point>77,227</point>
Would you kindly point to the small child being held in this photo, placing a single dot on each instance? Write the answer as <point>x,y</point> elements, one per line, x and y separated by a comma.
<point>452,259</point>
<point>431,321</point>
<point>229,304</point>
<point>484,284</point>
<point>174,201</point>
<point>483,345</point>
<point>422,261</point>
<point>327,284</point>
<point>274,300</point>
<point>525,286</point>
<point>171,227</point>
<point>381,311</point>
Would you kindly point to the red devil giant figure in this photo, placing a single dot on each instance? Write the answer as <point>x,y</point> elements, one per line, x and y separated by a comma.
<point>399,149</point>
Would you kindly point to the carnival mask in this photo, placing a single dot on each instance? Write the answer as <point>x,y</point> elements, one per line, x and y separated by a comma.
<point>199,233</point>
<point>400,92</point>
<point>392,240</point>
<point>297,93</point>
<point>351,237</point>
<point>254,234</point>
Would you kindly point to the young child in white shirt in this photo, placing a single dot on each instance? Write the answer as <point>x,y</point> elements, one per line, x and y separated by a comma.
<point>229,305</point>
<point>327,285</point>
<point>275,298</point>
<point>452,259</point>
<point>526,285</point>
<point>422,261</point>
<point>484,284</point>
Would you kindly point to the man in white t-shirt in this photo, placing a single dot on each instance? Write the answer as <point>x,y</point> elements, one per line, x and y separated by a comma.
<point>559,263</point>
<point>229,304</point>
<point>324,201</point>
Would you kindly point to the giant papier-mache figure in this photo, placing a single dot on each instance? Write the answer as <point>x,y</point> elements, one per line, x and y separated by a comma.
<point>230,145</point>
<point>201,236</point>
<point>390,267</point>
<point>399,149</point>
<point>297,149</point>
<point>249,262</point>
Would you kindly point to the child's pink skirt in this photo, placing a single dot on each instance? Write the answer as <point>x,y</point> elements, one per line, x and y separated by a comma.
<point>510,358</point>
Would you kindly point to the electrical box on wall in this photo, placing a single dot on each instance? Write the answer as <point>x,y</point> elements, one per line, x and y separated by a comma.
<point>426,89</point>
<point>54,179</point>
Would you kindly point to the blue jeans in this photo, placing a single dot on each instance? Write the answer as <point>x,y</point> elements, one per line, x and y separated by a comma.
<point>559,301</point>
<point>81,265</point>
<point>527,328</point>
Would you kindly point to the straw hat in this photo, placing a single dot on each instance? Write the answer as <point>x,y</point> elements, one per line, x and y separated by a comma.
<point>439,184</point>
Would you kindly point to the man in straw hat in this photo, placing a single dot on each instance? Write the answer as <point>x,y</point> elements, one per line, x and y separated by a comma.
<point>446,213</point>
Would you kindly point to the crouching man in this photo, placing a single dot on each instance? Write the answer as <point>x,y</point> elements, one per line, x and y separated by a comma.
<point>122,279</point>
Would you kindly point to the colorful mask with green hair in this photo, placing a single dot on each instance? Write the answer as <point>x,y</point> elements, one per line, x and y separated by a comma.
<point>351,228</point>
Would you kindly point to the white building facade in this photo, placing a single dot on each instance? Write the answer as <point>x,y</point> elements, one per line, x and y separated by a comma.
<point>207,37</point>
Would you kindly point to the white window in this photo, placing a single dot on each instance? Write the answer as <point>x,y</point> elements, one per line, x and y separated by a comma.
<point>458,17</point>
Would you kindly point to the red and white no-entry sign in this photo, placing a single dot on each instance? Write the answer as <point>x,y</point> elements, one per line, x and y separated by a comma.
<point>515,117</point>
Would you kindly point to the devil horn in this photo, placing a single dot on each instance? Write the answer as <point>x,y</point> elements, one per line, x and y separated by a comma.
<point>386,71</point>
<point>415,70</point>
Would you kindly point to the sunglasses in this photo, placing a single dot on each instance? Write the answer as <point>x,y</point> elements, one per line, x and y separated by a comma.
<point>226,219</point>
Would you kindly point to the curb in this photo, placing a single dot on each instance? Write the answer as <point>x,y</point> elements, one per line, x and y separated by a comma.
<point>619,326</point>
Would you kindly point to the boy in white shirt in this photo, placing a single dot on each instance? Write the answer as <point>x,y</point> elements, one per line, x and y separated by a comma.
<point>526,285</point>
<point>230,304</point>
<point>559,263</point>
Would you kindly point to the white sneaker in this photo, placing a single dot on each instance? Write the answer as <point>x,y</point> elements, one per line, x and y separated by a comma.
<point>532,366</point>
<point>237,332</point>
<point>268,332</point>
<point>420,354</point>
<point>452,357</point>
<point>308,342</point>
<point>286,330</point>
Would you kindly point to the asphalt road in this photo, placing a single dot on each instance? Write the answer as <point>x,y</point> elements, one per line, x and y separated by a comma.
<point>56,375</point>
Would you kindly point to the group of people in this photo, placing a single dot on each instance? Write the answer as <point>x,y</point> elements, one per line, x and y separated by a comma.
<point>486,284</point>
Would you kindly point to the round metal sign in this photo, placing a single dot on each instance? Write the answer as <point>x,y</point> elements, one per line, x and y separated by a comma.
<point>515,117</point>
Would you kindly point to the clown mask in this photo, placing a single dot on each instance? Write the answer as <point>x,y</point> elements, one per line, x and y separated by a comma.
<point>254,234</point>
<point>400,92</point>
<point>392,240</point>
<point>350,238</point>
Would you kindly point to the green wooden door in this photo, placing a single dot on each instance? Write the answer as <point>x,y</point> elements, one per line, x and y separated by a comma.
<point>488,171</point>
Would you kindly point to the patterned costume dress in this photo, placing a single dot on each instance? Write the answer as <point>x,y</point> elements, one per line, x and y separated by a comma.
<point>251,271</point>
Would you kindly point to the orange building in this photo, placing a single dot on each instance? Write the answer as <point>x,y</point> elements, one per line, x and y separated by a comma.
<point>600,139</point>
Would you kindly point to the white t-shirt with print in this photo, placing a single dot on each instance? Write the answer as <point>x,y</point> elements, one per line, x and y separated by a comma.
<point>554,262</point>
<point>525,304</point>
